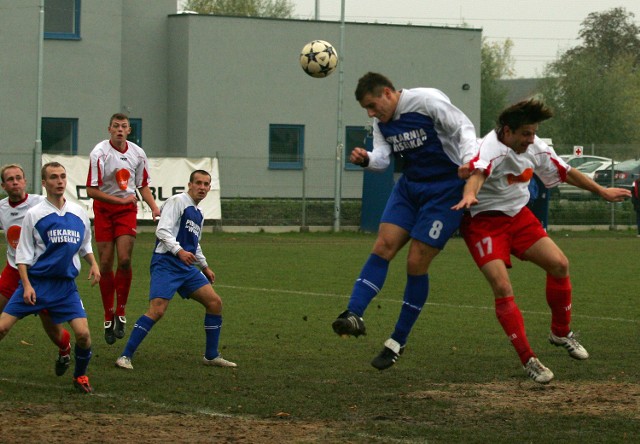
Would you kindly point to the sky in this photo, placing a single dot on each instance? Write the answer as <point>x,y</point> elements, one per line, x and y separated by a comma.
<point>540,29</point>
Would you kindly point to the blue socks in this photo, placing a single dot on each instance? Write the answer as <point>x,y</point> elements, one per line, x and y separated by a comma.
<point>415,296</point>
<point>140,330</point>
<point>212,324</point>
<point>368,284</point>
<point>83,356</point>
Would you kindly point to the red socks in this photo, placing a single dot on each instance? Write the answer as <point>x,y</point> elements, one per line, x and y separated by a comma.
<point>107,291</point>
<point>559,300</point>
<point>510,318</point>
<point>122,285</point>
<point>64,344</point>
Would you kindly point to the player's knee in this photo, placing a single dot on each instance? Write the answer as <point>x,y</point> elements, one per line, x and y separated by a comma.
<point>384,248</point>
<point>155,313</point>
<point>214,306</point>
<point>502,288</point>
<point>560,267</point>
<point>83,338</point>
<point>124,263</point>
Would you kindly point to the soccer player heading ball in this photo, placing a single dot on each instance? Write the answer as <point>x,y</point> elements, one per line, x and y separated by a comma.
<point>433,138</point>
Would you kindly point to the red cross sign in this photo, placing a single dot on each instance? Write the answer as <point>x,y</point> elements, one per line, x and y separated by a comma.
<point>577,150</point>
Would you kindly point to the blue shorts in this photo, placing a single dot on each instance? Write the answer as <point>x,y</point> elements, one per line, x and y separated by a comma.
<point>424,209</point>
<point>170,276</point>
<point>59,297</point>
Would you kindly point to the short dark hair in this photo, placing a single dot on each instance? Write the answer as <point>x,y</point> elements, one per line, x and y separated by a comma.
<point>372,83</point>
<point>193,174</point>
<point>43,171</point>
<point>119,116</point>
<point>525,112</point>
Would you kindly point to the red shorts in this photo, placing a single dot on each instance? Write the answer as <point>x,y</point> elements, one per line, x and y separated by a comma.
<point>494,235</point>
<point>9,280</point>
<point>112,221</point>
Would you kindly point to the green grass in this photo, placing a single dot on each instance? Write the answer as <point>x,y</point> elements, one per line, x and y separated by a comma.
<point>459,380</point>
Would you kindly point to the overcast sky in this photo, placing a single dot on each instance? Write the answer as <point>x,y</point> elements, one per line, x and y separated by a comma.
<point>539,29</point>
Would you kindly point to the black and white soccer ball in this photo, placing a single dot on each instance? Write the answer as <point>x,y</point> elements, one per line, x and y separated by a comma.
<point>318,58</point>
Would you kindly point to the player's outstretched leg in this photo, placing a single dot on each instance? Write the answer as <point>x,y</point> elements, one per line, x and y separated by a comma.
<point>366,287</point>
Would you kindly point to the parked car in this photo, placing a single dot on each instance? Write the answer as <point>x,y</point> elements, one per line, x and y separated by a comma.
<point>624,173</point>
<point>589,169</point>
<point>576,161</point>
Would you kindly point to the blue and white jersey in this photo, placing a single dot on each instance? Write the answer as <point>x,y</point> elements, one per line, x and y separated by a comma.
<point>52,240</point>
<point>179,228</point>
<point>431,135</point>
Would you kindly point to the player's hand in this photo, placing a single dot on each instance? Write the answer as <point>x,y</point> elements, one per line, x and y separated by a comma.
<point>130,199</point>
<point>155,213</point>
<point>29,296</point>
<point>615,194</point>
<point>94,275</point>
<point>466,202</point>
<point>186,257</point>
<point>209,274</point>
<point>359,156</point>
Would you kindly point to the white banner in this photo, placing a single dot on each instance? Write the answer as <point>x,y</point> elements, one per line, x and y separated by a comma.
<point>169,176</point>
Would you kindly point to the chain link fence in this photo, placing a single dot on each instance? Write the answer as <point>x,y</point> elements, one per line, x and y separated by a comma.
<point>258,193</point>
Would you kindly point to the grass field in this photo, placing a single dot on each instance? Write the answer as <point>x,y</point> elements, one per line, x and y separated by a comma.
<point>458,381</point>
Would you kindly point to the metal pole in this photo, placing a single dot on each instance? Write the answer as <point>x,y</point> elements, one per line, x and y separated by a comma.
<point>317,11</point>
<point>340,144</point>
<point>303,227</point>
<point>612,223</point>
<point>37,151</point>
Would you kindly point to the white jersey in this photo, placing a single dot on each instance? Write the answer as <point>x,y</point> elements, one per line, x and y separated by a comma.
<point>11,216</point>
<point>52,240</point>
<point>180,228</point>
<point>115,173</point>
<point>508,173</point>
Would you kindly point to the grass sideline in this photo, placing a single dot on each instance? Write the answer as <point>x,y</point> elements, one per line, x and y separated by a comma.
<point>459,380</point>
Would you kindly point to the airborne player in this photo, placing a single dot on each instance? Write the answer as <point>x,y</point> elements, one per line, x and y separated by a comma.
<point>117,168</point>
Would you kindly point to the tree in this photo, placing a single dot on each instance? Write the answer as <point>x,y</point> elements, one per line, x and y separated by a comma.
<point>496,64</point>
<point>243,8</point>
<point>594,88</point>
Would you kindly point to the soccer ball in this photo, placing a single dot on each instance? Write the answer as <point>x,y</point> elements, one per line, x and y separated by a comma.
<point>318,58</point>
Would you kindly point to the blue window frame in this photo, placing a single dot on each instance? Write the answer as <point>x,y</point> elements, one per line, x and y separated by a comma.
<point>135,135</point>
<point>62,19</point>
<point>286,147</point>
<point>354,136</point>
<point>59,135</point>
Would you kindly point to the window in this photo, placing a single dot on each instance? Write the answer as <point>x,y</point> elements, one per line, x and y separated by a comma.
<point>62,19</point>
<point>135,135</point>
<point>59,136</point>
<point>355,136</point>
<point>286,144</point>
